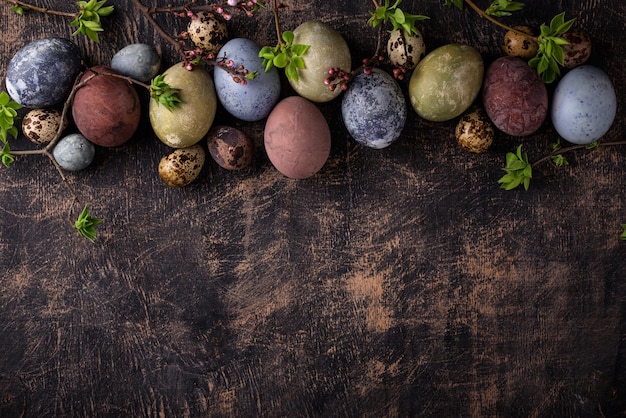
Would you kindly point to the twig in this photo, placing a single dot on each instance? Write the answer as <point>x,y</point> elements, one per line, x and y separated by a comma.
<point>482,13</point>
<point>40,9</point>
<point>574,148</point>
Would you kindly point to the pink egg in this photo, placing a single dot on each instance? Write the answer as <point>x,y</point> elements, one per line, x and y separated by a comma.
<point>297,138</point>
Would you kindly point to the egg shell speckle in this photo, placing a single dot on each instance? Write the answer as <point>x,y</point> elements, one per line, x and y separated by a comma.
<point>139,61</point>
<point>42,73</point>
<point>584,105</point>
<point>297,138</point>
<point>181,166</point>
<point>514,96</point>
<point>42,125</point>
<point>74,152</point>
<point>374,110</point>
<point>255,99</point>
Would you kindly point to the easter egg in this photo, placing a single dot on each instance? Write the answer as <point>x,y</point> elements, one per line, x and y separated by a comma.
<point>584,105</point>
<point>106,110</point>
<point>446,82</point>
<point>188,123</point>
<point>42,73</point>
<point>139,61</point>
<point>248,100</point>
<point>327,49</point>
<point>515,98</point>
<point>373,109</point>
<point>74,152</point>
<point>297,138</point>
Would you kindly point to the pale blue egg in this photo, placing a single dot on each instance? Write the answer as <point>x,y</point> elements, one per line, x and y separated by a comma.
<point>42,73</point>
<point>255,99</point>
<point>74,152</point>
<point>374,109</point>
<point>584,105</point>
<point>139,61</point>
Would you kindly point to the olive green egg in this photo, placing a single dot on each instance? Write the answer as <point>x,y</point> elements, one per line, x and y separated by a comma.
<point>327,49</point>
<point>188,123</point>
<point>446,82</point>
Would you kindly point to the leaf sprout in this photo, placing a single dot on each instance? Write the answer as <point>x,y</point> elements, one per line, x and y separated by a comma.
<point>86,224</point>
<point>164,94</point>
<point>623,236</point>
<point>88,19</point>
<point>285,55</point>
<point>8,114</point>
<point>550,54</point>
<point>394,15</point>
<point>500,8</point>
<point>518,170</point>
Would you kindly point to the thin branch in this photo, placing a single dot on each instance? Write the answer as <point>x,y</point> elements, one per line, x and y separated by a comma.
<point>40,9</point>
<point>574,148</point>
<point>277,22</point>
<point>495,21</point>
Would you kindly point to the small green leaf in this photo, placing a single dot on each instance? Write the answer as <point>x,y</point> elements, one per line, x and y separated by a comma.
<point>299,49</point>
<point>86,224</point>
<point>288,37</point>
<point>292,73</point>
<point>280,60</point>
<point>298,62</point>
<point>623,236</point>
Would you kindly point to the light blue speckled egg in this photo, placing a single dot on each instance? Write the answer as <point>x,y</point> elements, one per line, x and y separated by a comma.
<point>139,61</point>
<point>74,152</point>
<point>584,105</point>
<point>374,110</point>
<point>254,100</point>
<point>42,73</point>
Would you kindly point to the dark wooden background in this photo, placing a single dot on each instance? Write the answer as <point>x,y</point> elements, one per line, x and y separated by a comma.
<point>396,282</point>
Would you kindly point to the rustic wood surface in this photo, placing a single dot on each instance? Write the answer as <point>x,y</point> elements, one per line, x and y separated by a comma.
<point>395,282</point>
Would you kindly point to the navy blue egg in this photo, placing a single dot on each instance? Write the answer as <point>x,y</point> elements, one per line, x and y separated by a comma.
<point>255,99</point>
<point>374,110</point>
<point>42,73</point>
<point>139,61</point>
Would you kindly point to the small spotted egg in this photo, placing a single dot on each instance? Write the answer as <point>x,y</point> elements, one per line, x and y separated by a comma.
<point>405,50</point>
<point>518,45</point>
<point>181,166</point>
<point>578,51</point>
<point>230,148</point>
<point>41,125</point>
<point>474,131</point>
<point>208,32</point>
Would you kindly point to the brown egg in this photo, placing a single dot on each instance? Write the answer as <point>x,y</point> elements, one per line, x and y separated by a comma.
<point>106,110</point>
<point>208,32</point>
<point>41,125</point>
<point>474,131</point>
<point>181,166</point>
<point>230,148</point>
<point>578,50</point>
<point>297,138</point>
<point>517,45</point>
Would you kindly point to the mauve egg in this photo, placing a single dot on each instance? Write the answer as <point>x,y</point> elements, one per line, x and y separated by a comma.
<point>253,100</point>
<point>297,138</point>
<point>584,105</point>
<point>42,73</point>
<point>514,96</point>
<point>106,110</point>
<point>373,109</point>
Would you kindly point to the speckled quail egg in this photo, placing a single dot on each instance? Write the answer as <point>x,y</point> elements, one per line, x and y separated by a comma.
<point>208,32</point>
<point>517,45</point>
<point>578,50</point>
<point>41,125</point>
<point>405,50</point>
<point>181,166</point>
<point>474,131</point>
<point>230,148</point>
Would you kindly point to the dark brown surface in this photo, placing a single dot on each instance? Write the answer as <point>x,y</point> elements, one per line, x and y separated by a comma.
<point>396,282</point>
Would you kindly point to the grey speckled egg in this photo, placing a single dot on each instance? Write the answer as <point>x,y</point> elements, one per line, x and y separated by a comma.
<point>41,125</point>
<point>74,152</point>
<point>139,61</point>
<point>255,99</point>
<point>42,73</point>
<point>374,109</point>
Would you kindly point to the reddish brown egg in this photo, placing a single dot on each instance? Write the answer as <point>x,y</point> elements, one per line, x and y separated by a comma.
<point>578,51</point>
<point>106,110</point>
<point>230,148</point>
<point>297,138</point>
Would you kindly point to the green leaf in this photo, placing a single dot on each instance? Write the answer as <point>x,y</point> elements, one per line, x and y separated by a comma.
<point>6,156</point>
<point>288,37</point>
<point>299,49</point>
<point>456,3</point>
<point>86,224</point>
<point>281,60</point>
<point>398,16</point>
<point>623,236</point>
<point>292,73</point>
<point>20,10</point>
<point>298,62</point>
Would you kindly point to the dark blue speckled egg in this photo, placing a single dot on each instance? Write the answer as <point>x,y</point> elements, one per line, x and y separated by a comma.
<point>139,61</point>
<point>255,99</point>
<point>42,73</point>
<point>374,110</point>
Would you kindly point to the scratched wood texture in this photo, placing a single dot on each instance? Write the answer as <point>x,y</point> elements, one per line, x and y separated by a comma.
<point>397,282</point>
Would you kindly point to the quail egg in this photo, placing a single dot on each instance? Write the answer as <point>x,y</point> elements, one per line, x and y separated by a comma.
<point>474,131</point>
<point>181,166</point>
<point>230,148</point>
<point>42,125</point>
<point>208,32</point>
<point>517,45</point>
<point>405,50</point>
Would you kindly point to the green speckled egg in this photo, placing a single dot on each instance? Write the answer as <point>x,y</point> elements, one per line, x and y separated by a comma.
<point>446,82</point>
<point>189,123</point>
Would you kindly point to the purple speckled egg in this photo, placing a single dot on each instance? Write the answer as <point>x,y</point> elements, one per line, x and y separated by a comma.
<point>515,98</point>
<point>42,73</point>
<point>374,109</point>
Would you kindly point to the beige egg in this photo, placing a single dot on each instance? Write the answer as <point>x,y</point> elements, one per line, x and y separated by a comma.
<point>41,125</point>
<point>474,131</point>
<point>405,50</point>
<point>181,166</point>
<point>517,45</point>
<point>208,32</point>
